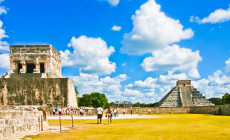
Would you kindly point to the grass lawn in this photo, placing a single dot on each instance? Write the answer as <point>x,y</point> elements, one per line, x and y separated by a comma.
<point>175,127</point>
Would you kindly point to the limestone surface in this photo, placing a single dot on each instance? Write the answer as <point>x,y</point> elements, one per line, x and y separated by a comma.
<point>184,95</point>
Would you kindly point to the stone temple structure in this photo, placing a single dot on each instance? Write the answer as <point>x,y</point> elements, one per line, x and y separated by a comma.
<point>35,78</point>
<point>184,95</point>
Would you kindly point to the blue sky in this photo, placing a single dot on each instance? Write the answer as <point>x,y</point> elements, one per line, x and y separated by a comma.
<point>131,50</point>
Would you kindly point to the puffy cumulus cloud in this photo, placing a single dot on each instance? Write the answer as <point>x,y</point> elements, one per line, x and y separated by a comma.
<point>111,87</point>
<point>153,30</point>
<point>4,46</point>
<point>215,85</point>
<point>146,91</point>
<point>173,58</point>
<point>146,86</point>
<point>91,55</point>
<point>218,16</point>
<point>116,28</point>
<point>5,62</point>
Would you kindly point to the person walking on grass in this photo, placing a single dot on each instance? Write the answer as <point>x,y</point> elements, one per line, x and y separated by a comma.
<point>99,114</point>
<point>110,115</point>
<point>115,112</point>
<point>149,111</point>
<point>123,111</point>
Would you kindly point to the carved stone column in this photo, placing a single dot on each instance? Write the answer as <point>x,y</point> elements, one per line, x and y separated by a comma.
<point>23,67</point>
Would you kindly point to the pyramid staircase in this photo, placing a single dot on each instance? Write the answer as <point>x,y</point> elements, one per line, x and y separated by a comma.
<point>183,96</point>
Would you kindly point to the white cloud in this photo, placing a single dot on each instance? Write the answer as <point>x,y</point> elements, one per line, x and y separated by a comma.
<point>3,10</point>
<point>218,16</point>
<point>215,85</point>
<point>173,58</point>
<point>91,55</point>
<point>4,46</point>
<point>116,28</point>
<point>153,30</point>
<point>111,87</point>
<point>113,2</point>
<point>5,62</point>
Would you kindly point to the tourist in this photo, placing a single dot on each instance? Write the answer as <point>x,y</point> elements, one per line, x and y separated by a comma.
<point>131,111</point>
<point>59,111</point>
<point>81,112</point>
<point>86,111</point>
<point>53,112</point>
<point>56,111</point>
<point>149,111</point>
<point>62,112</point>
<point>99,114</point>
<point>67,112</point>
<point>123,111</point>
<point>110,115</point>
<point>115,112</point>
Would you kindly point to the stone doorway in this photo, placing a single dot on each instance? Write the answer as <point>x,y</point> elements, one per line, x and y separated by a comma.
<point>30,67</point>
<point>42,68</point>
<point>19,67</point>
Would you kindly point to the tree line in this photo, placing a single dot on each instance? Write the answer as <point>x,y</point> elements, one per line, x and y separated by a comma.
<point>221,101</point>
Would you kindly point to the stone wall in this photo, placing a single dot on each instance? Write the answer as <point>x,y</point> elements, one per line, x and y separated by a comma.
<point>37,91</point>
<point>15,123</point>
<point>216,110</point>
<point>71,94</point>
<point>225,109</point>
<point>156,110</point>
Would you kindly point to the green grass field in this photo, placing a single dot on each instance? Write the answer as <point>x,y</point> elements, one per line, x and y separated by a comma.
<point>173,127</point>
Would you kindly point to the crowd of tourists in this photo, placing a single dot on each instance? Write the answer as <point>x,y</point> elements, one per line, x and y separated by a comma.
<point>68,111</point>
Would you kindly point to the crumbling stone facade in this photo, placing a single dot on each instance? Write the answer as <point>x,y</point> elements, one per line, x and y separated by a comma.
<point>43,59</point>
<point>35,78</point>
<point>184,95</point>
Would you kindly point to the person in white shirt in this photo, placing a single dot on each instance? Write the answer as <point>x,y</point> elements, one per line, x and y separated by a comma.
<point>81,112</point>
<point>123,111</point>
<point>99,114</point>
<point>115,112</point>
<point>149,111</point>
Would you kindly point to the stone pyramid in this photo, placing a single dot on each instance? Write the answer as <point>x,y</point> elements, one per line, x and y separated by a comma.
<point>184,95</point>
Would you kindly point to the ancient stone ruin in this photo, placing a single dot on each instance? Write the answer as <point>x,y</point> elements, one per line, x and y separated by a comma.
<point>35,78</point>
<point>184,95</point>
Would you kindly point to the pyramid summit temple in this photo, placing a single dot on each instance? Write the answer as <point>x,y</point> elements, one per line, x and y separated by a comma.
<point>184,95</point>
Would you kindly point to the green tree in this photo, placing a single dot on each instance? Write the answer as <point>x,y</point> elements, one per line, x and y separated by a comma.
<point>94,99</point>
<point>216,101</point>
<point>99,100</point>
<point>137,104</point>
<point>226,98</point>
<point>85,100</point>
